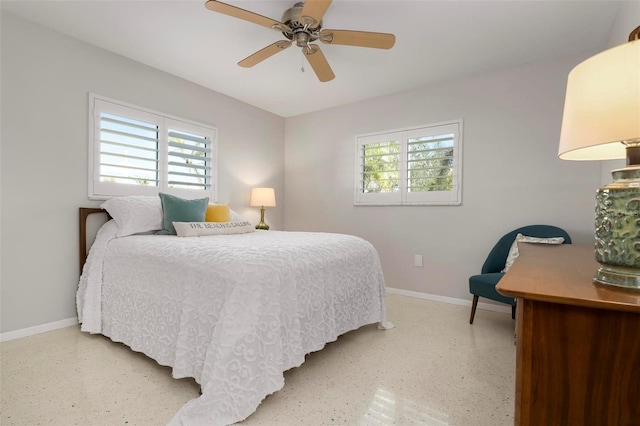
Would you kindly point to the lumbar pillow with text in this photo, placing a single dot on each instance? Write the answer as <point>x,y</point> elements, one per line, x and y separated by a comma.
<point>513,252</point>
<point>198,229</point>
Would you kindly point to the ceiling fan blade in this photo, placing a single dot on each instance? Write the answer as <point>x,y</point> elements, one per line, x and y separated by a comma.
<point>236,12</point>
<point>314,9</point>
<point>318,62</point>
<point>265,53</point>
<point>358,38</point>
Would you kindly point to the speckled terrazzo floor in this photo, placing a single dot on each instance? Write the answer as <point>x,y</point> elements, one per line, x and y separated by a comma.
<point>433,368</point>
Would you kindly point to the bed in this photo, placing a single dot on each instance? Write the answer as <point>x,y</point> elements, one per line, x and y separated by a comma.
<point>231,311</point>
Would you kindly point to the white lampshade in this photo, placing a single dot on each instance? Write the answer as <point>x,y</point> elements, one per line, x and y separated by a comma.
<point>263,197</point>
<point>602,105</point>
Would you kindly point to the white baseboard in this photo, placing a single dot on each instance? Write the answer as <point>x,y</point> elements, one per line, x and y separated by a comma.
<point>42,328</point>
<point>451,300</point>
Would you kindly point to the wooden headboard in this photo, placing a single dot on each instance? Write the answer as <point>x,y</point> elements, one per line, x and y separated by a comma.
<point>85,212</point>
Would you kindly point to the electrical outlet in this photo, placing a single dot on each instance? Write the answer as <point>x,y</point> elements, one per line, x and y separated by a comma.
<point>417,260</point>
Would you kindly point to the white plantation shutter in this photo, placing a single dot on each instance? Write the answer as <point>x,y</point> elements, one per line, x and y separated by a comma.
<point>433,161</point>
<point>128,151</point>
<point>430,163</point>
<point>189,163</point>
<point>134,151</point>
<point>419,166</point>
<point>379,161</point>
<point>384,160</point>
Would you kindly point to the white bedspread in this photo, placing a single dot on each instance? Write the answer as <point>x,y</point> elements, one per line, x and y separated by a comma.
<point>232,311</point>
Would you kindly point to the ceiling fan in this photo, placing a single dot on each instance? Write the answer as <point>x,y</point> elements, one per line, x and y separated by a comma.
<point>302,24</point>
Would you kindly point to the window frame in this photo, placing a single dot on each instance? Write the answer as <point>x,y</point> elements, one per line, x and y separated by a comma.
<point>98,190</point>
<point>402,197</point>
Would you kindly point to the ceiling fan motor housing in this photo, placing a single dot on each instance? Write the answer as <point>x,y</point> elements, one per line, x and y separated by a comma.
<point>302,34</point>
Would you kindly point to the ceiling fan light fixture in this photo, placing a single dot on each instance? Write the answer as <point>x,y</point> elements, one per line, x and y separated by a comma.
<point>302,39</point>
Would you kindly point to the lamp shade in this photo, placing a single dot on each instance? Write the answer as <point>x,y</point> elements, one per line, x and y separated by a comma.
<point>263,197</point>
<point>602,105</point>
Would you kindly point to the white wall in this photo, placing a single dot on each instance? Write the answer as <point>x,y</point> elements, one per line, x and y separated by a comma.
<point>512,176</point>
<point>46,78</point>
<point>627,20</point>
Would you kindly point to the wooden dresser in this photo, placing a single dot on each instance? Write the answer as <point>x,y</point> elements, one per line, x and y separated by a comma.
<point>578,343</point>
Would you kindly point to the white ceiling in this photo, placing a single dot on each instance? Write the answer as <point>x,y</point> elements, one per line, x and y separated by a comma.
<point>435,41</point>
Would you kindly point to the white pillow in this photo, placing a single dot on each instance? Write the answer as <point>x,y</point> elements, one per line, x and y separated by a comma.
<point>235,216</point>
<point>197,229</point>
<point>514,252</point>
<point>135,214</point>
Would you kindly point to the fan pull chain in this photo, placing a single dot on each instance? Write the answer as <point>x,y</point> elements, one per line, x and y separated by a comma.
<point>302,63</point>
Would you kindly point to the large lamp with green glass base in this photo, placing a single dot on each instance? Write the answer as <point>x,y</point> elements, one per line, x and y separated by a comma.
<point>601,121</point>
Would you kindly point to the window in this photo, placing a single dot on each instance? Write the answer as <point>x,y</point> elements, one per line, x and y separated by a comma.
<point>134,151</point>
<point>419,166</point>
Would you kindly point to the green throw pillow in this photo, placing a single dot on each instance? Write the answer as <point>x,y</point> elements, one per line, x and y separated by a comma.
<point>176,209</point>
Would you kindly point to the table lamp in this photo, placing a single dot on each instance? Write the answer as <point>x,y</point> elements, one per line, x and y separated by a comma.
<point>601,121</point>
<point>262,197</point>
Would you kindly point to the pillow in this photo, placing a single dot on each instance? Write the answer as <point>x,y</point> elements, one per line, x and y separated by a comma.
<point>135,214</point>
<point>197,229</point>
<point>218,213</point>
<point>235,216</point>
<point>513,252</point>
<point>176,209</point>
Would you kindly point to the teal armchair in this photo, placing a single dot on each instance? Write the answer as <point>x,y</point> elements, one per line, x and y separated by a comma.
<point>484,284</point>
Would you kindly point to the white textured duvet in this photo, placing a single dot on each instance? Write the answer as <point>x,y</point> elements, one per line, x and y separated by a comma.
<point>232,311</point>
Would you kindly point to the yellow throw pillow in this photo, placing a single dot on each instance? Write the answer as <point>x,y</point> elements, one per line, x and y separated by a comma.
<point>218,213</point>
